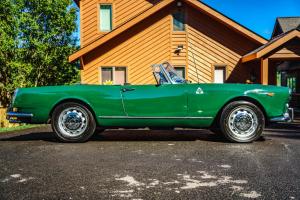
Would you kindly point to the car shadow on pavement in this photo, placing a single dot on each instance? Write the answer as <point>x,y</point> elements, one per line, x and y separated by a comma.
<point>47,135</point>
<point>158,135</point>
<point>284,130</point>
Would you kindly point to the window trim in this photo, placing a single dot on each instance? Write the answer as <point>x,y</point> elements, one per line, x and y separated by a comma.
<point>181,66</point>
<point>113,72</point>
<point>112,16</point>
<point>219,65</point>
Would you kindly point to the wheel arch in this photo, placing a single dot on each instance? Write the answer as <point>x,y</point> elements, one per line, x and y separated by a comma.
<point>240,98</point>
<point>72,100</point>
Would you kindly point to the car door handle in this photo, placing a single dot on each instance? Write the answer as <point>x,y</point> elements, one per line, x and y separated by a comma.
<point>127,89</point>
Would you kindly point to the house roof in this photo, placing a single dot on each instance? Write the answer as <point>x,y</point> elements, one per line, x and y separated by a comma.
<point>272,44</point>
<point>155,8</point>
<point>288,23</point>
<point>285,24</point>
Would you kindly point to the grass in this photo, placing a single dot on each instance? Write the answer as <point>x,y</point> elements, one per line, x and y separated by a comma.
<point>17,128</point>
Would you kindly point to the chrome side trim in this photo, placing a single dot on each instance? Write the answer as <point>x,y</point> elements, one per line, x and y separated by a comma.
<point>130,117</point>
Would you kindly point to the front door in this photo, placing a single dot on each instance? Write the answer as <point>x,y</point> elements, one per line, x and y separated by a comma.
<point>155,101</point>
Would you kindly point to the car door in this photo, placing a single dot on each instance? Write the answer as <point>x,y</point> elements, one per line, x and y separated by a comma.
<point>200,100</point>
<point>155,101</point>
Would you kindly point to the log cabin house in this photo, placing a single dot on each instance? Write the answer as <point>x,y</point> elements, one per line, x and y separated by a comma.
<point>121,39</point>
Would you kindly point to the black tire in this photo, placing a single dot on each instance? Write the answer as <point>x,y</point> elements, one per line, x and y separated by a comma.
<point>242,122</point>
<point>83,114</point>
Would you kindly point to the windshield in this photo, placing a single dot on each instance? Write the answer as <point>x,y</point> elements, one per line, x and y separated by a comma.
<point>159,75</point>
<point>173,74</point>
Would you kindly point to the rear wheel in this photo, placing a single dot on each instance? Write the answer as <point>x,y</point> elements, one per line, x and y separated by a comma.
<point>242,121</point>
<point>73,122</point>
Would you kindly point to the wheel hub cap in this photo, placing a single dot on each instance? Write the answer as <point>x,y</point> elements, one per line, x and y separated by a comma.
<point>242,122</point>
<point>73,121</point>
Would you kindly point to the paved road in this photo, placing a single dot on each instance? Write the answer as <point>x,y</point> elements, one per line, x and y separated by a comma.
<point>139,164</point>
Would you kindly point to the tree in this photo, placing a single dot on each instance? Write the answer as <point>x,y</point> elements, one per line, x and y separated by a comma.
<point>41,34</point>
<point>11,71</point>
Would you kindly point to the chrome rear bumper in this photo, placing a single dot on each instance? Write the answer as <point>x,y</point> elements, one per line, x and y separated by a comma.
<point>287,117</point>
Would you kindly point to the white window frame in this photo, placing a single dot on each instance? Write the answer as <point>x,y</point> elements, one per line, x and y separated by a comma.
<point>216,66</point>
<point>99,17</point>
<point>113,73</point>
<point>182,67</point>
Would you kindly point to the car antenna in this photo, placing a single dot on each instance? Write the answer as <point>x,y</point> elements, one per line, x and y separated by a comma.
<point>195,66</point>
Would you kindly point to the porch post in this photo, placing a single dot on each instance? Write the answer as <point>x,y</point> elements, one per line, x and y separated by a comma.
<point>264,71</point>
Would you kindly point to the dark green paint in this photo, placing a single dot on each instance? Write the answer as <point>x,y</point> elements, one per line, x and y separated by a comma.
<point>192,107</point>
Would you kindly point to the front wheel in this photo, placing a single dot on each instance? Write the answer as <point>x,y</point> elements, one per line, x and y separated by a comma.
<point>73,122</point>
<point>242,121</point>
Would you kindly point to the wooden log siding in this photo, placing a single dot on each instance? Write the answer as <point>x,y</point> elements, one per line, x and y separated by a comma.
<point>137,49</point>
<point>178,38</point>
<point>206,42</point>
<point>212,43</point>
<point>122,11</point>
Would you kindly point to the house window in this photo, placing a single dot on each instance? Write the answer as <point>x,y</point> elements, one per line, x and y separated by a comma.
<point>291,83</point>
<point>113,75</point>
<point>179,21</point>
<point>219,74</point>
<point>105,17</point>
<point>278,78</point>
<point>180,71</point>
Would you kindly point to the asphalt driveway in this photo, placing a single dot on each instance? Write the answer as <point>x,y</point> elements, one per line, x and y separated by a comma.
<point>141,164</point>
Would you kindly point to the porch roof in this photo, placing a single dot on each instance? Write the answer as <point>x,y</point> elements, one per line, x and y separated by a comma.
<point>272,45</point>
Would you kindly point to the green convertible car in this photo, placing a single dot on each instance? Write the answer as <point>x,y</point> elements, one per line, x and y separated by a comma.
<point>238,111</point>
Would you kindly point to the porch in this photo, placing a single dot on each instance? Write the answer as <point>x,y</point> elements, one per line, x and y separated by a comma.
<point>279,63</point>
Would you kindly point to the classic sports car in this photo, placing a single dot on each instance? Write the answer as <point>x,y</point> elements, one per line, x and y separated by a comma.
<point>238,111</point>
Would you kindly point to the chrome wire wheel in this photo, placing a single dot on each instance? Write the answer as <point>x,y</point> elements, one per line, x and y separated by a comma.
<point>243,123</point>
<point>73,122</point>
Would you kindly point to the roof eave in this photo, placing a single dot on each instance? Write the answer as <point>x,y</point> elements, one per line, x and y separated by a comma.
<point>259,54</point>
<point>199,5</point>
<point>250,57</point>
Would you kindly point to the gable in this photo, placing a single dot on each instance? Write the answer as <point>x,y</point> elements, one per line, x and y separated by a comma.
<point>285,24</point>
<point>155,8</point>
<point>272,45</point>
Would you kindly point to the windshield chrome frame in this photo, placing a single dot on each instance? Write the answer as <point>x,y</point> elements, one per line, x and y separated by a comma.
<point>164,72</point>
<point>167,75</point>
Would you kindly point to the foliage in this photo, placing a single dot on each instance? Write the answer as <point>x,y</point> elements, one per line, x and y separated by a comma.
<point>108,82</point>
<point>36,38</point>
<point>17,128</point>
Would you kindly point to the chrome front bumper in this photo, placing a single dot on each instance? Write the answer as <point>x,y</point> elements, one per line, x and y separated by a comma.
<point>17,117</point>
<point>287,117</point>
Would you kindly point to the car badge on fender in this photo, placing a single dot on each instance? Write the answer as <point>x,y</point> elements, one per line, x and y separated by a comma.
<point>199,91</point>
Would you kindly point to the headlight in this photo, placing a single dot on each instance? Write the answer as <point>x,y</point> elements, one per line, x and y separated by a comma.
<point>14,96</point>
